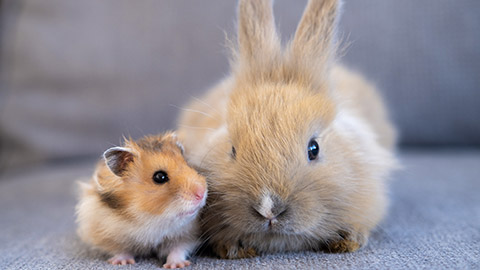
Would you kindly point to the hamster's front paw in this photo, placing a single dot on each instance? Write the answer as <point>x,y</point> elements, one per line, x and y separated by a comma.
<point>177,264</point>
<point>177,258</point>
<point>234,251</point>
<point>122,259</point>
<point>348,242</point>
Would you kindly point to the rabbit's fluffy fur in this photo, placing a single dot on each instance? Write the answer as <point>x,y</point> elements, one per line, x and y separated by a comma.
<point>249,136</point>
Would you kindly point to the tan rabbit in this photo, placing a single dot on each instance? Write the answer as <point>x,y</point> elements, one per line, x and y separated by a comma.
<point>296,148</point>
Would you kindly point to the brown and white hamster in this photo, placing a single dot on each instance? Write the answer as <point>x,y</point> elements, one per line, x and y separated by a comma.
<point>143,198</point>
<point>296,148</point>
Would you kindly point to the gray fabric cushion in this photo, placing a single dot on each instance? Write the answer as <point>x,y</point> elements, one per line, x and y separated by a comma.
<point>79,74</point>
<point>434,222</point>
<point>76,75</point>
<point>425,57</point>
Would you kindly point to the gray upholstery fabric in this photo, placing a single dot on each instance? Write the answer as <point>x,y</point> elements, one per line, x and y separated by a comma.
<point>434,222</point>
<point>425,57</point>
<point>79,74</point>
<point>76,75</point>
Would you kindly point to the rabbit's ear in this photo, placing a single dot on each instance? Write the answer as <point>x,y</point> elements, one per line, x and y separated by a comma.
<point>257,36</point>
<point>314,38</point>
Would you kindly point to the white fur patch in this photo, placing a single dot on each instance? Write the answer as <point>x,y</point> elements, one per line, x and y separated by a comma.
<point>95,179</point>
<point>180,146</point>
<point>360,134</point>
<point>266,206</point>
<point>116,148</point>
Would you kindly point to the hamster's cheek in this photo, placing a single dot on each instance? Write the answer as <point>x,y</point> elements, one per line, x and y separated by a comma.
<point>185,210</point>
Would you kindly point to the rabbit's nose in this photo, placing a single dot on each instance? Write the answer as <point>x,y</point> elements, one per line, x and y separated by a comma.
<point>270,208</point>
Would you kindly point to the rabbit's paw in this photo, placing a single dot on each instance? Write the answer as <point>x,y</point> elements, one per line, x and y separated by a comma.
<point>348,242</point>
<point>234,251</point>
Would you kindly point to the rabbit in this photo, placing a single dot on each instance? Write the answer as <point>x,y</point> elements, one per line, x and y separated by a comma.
<point>143,198</point>
<point>296,148</point>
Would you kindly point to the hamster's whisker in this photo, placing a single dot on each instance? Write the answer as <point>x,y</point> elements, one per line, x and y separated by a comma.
<point>209,233</point>
<point>205,221</point>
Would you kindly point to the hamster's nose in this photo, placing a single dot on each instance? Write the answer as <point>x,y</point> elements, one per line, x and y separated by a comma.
<point>199,193</point>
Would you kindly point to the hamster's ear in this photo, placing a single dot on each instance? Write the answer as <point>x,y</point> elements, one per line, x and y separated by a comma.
<point>173,136</point>
<point>117,159</point>
<point>315,34</point>
<point>257,37</point>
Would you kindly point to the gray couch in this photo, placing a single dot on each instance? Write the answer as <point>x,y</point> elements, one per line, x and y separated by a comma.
<point>76,75</point>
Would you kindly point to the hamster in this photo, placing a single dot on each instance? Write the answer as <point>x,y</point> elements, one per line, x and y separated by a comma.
<point>297,149</point>
<point>143,198</point>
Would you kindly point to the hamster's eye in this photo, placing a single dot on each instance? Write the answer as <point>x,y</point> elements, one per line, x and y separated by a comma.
<point>234,153</point>
<point>313,150</point>
<point>160,177</point>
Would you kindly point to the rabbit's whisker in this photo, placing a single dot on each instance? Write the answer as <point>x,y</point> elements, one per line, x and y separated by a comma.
<point>194,111</point>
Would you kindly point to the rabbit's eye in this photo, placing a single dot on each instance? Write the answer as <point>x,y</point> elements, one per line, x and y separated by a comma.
<point>160,177</point>
<point>313,150</point>
<point>234,153</point>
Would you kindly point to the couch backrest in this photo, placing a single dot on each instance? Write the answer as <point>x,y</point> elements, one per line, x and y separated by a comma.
<point>76,75</point>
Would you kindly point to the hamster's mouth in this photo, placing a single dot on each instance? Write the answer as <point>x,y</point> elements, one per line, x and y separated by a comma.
<point>190,213</point>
